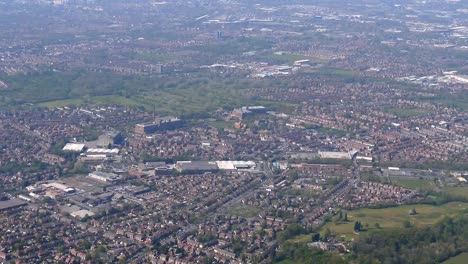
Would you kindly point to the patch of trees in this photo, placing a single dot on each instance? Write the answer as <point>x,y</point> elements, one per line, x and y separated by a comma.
<point>414,245</point>
<point>357,226</point>
<point>291,231</point>
<point>433,165</point>
<point>301,253</point>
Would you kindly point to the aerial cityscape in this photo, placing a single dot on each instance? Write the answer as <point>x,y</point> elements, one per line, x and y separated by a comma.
<point>234,131</point>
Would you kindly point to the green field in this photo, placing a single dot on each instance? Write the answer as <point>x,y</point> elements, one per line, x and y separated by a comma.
<point>394,217</point>
<point>301,239</point>
<point>412,112</point>
<point>60,103</point>
<point>179,96</point>
<point>457,191</point>
<point>287,261</point>
<point>460,259</point>
<point>291,58</point>
<point>99,100</point>
<point>414,184</point>
<point>245,211</point>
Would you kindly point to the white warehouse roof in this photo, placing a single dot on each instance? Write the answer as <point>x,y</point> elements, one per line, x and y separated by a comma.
<point>234,164</point>
<point>74,147</point>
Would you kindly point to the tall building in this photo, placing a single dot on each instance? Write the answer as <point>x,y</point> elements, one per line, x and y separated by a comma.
<point>159,124</point>
<point>219,35</point>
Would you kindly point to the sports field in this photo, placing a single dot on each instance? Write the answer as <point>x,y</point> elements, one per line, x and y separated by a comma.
<point>394,217</point>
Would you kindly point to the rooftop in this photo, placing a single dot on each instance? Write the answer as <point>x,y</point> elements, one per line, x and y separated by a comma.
<point>74,147</point>
<point>5,205</point>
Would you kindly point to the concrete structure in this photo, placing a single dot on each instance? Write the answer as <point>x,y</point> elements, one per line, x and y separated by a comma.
<point>160,124</point>
<point>81,214</point>
<point>102,151</point>
<point>104,176</point>
<point>235,165</point>
<point>74,147</point>
<point>334,155</point>
<point>110,138</point>
<point>59,186</point>
<point>196,166</point>
<point>11,204</point>
<point>245,111</point>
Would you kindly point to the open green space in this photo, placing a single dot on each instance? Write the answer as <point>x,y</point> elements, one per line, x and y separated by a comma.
<point>301,239</point>
<point>460,103</point>
<point>235,46</point>
<point>457,191</point>
<point>61,103</point>
<point>222,124</point>
<point>177,95</point>
<point>245,211</point>
<point>411,112</point>
<point>347,74</point>
<point>287,261</point>
<point>291,58</point>
<point>460,259</point>
<point>394,217</point>
<point>307,193</point>
<point>153,57</point>
<point>414,183</point>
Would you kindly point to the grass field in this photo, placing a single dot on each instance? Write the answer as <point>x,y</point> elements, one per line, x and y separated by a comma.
<point>389,218</point>
<point>460,259</point>
<point>222,124</point>
<point>414,184</point>
<point>245,211</point>
<point>287,261</point>
<point>301,239</point>
<point>457,191</point>
<point>291,58</point>
<point>406,112</point>
<point>60,103</point>
<point>99,100</point>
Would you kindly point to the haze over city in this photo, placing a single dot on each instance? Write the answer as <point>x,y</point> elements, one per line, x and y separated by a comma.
<point>233,131</point>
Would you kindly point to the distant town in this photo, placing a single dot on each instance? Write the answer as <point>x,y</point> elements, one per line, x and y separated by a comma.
<point>233,131</point>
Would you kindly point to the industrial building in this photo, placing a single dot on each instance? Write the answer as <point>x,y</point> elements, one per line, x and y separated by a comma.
<point>334,155</point>
<point>241,113</point>
<point>213,166</point>
<point>11,204</point>
<point>59,186</point>
<point>235,165</point>
<point>196,166</point>
<point>110,138</point>
<point>74,147</point>
<point>104,176</point>
<point>81,214</point>
<point>160,168</point>
<point>159,124</point>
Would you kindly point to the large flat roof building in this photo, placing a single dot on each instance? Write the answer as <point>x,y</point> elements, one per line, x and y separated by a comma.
<point>104,176</point>
<point>11,204</point>
<point>74,147</point>
<point>159,124</point>
<point>196,166</point>
<point>245,111</point>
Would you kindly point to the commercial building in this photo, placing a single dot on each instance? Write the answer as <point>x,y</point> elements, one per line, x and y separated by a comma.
<point>102,151</point>
<point>159,124</point>
<point>160,168</point>
<point>74,147</point>
<point>81,214</point>
<point>11,204</point>
<point>104,176</point>
<point>245,111</point>
<point>196,166</point>
<point>110,138</point>
<point>334,155</point>
<point>235,165</point>
<point>59,186</point>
